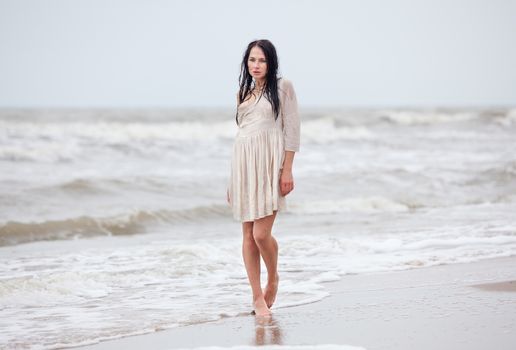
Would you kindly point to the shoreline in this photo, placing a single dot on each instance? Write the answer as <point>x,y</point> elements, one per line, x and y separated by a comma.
<point>455,306</point>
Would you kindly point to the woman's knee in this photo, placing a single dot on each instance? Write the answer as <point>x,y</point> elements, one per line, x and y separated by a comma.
<point>261,235</point>
<point>247,231</point>
<point>248,242</point>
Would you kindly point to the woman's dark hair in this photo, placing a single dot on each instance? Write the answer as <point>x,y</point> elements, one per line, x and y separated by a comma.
<point>271,80</point>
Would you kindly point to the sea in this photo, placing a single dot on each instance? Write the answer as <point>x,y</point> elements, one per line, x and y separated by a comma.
<point>114,222</point>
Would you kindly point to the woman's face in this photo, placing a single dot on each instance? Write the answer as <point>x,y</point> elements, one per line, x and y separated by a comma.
<point>257,64</point>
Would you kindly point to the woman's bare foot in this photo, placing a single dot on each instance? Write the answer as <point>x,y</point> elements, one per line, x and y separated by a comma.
<point>260,307</point>
<point>271,290</point>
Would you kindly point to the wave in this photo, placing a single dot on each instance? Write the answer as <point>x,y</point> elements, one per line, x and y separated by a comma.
<point>102,185</point>
<point>327,130</point>
<point>358,204</point>
<point>426,117</point>
<point>14,232</point>
<point>141,221</point>
<point>504,174</point>
<point>64,143</point>
<point>117,132</point>
<point>225,116</point>
<point>506,119</point>
<point>77,185</point>
<point>57,139</point>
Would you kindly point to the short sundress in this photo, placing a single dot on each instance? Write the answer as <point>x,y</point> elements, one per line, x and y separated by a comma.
<point>258,154</point>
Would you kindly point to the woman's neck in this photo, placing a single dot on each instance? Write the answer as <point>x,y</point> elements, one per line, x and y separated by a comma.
<point>259,84</point>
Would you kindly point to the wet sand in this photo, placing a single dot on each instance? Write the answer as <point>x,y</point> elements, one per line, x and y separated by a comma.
<point>508,286</point>
<point>458,306</point>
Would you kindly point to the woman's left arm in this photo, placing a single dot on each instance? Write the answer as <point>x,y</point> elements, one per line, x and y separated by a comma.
<point>291,135</point>
<point>286,178</point>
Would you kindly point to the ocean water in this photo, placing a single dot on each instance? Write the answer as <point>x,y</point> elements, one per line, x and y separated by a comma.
<point>114,222</point>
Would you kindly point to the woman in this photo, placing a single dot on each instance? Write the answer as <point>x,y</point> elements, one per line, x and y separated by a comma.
<point>261,166</point>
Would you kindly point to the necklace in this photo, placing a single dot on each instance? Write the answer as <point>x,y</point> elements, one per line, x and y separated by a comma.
<point>258,90</point>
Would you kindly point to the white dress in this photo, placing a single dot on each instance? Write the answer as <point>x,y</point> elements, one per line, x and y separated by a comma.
<point>258,154</point>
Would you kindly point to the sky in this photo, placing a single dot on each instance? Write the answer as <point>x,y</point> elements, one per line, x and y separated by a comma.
<point>350,53</point>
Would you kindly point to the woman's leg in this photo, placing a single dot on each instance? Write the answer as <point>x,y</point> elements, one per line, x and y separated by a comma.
<point>262,233</point>
<point>251,255</point>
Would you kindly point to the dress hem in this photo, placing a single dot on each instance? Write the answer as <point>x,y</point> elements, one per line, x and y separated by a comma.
<point>259,216</point>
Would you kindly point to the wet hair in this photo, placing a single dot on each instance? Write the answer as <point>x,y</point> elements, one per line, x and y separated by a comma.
<point>271,78</point>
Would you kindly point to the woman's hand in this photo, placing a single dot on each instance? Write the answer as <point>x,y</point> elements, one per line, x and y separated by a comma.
<point>286,182</point>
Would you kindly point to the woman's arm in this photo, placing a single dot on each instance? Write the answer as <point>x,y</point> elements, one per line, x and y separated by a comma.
<point>286,178</point>
<point>291,133</point>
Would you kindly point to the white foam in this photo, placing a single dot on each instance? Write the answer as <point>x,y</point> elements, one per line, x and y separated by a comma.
<point>98,293</point>
<point>58,141</point>
<point>324,130</point>
<point>509,119</point>
<point>359,204</point>
<point>427,117</point>
<point>119,132</point>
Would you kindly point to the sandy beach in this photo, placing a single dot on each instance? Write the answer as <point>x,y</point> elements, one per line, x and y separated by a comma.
<point>457,306</point>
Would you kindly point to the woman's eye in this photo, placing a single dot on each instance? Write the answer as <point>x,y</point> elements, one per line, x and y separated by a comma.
<point>253,60</point>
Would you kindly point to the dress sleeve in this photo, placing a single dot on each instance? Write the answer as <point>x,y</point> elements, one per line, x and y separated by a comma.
<point>290,115</point>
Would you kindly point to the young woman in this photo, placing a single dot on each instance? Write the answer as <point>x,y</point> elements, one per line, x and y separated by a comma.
<point>261,166</point>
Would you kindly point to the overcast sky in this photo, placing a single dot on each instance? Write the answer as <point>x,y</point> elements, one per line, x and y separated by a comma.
<point>363,53</point>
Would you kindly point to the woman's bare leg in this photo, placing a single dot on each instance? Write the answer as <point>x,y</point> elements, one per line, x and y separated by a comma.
<point>251,255</point>
<point>262,233</point>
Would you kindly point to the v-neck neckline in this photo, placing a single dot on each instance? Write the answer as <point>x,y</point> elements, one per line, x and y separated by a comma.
<point>257,98</point>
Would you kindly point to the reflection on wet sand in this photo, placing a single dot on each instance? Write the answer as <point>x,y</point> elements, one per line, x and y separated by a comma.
<point>267,331</point>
